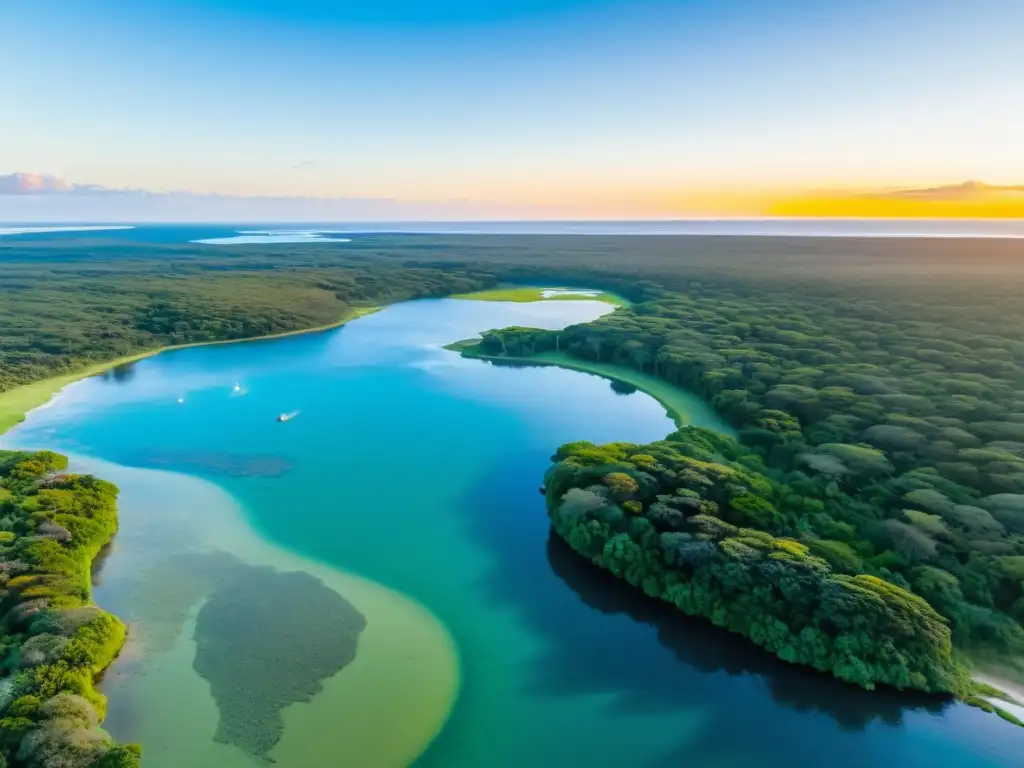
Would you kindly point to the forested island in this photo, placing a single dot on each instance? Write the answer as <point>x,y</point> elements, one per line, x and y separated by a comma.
<point>55,643</point>
<point>867,521</point>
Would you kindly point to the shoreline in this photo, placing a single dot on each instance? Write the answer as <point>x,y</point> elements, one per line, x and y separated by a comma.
<point>1010,692</point>
<point>682,406</point>
<point>17,403</point>
<point>103,638</point>
<point>669,396</point>
<point>351,706</point>
<point>673,398</point>
<point>1012,689</point>
<point>528,294</point>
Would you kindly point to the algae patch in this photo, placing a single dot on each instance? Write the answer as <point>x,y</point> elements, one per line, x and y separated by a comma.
<point>265,640</point>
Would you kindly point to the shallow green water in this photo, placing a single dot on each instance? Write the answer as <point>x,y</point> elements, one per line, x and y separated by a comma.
<point>418,471</point>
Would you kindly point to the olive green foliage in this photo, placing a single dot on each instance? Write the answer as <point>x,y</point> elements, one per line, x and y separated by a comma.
<point>988,706</point>
<point>69,302</point>
<point>871,378</point>
<point>265,640</point>
<point>710,537</point>
<point>890,414</point>
<point>64,308</point>
<point>54,644</point>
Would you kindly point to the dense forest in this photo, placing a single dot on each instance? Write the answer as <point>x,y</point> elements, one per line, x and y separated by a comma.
<point>68,302</point>
<point>54,642</point>
<point>66,308</point>
<point>684,519</point>
<point>902,439</point>
<point>874,385</point>
<point>883,408</point>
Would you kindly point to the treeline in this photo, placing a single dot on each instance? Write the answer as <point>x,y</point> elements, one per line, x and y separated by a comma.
<point>875,383</point>
<point>64,313</point>
<point>69,302</point>
<point>54,643</point>
<point>684,518</point>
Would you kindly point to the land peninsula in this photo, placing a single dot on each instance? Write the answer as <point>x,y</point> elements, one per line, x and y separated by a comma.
<point>529,293</point>
<point>862,492</point>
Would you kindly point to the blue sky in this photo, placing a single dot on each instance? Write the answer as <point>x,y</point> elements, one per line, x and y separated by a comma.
<point>591,105</point>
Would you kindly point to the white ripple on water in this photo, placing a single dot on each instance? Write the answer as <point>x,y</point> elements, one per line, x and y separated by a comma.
<point>252,236</point>
<point>43,230</point>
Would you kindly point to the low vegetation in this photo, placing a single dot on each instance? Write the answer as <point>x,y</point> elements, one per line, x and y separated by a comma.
<point>525,294</point>
<point>55,643</point>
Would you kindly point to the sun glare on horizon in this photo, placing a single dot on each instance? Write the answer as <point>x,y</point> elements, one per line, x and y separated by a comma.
<point>515,109</point>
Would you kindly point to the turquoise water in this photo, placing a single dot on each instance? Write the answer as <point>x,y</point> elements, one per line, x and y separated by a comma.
<point>419,470</point>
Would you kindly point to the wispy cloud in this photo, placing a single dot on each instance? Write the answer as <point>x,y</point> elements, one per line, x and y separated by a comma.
<point>970,199</point>
<point>967,191</point>
<point>30,197</point>
<point>33,184</point>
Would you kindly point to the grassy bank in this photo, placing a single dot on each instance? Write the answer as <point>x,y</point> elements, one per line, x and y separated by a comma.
<point>526,294</point>
<point>682,406</point>
<point>15,403</point>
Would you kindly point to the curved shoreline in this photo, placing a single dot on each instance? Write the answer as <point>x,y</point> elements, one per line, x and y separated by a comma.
<point>403,648</point>
<point>528,294</point>
<point>382,666</point>
<point>103,638</point>
<point>683,407</point>
<point>17,403</point>
<point>298,710</point>
<point>678,403</point>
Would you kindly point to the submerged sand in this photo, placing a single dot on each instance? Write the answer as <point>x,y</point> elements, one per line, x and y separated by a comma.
<point>382,709</point>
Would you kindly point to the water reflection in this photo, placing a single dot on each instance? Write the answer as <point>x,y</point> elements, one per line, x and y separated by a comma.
<point>119,374</point>
<point>599,636</point>
<point>622,388</point>
<point>708,648</point>
<point>562,664</point>
<point>96,576</point>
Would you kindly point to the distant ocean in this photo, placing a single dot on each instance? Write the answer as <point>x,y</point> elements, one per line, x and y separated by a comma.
<point>232,234</point>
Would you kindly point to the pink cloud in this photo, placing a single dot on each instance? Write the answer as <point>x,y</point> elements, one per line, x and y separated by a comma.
<point>33,184</point>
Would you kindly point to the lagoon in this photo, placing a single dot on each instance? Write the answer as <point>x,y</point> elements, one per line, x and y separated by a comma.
<point>400,507</point>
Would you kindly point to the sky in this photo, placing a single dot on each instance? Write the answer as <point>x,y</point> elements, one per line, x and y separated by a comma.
<point>575,108</point>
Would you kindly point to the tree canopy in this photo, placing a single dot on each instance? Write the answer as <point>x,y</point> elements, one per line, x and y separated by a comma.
<point>53,642</point>
<point>701,525</point>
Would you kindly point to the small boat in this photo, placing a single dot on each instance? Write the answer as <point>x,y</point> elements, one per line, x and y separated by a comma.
<point>287,416</point>
<point>181,400</point>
